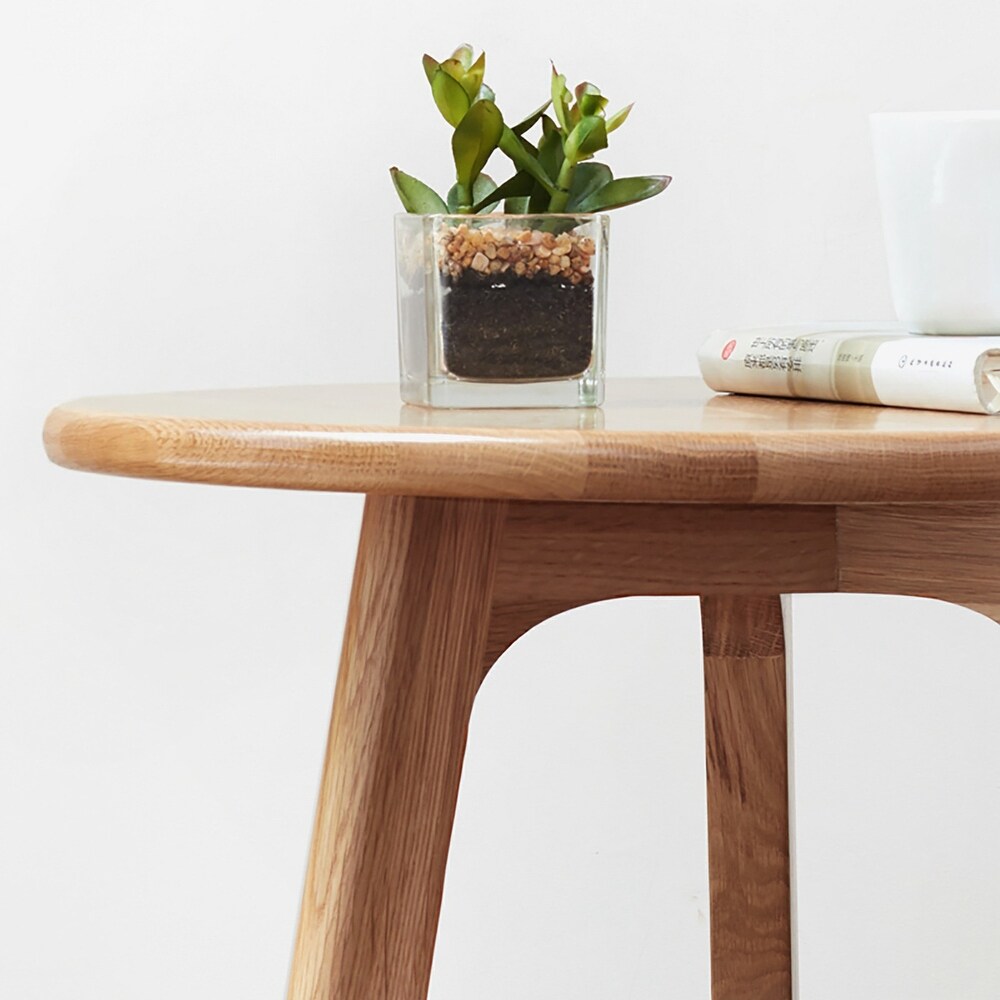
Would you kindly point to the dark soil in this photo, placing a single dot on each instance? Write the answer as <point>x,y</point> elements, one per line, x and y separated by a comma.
<point>515,328</point>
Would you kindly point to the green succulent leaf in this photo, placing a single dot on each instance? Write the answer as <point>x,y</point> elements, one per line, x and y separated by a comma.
<point>588,178</point>
<point>454,69</point>
<point>463,55</point>
<point>538,203</point>
<point>416,196</point>
<point>597,138</point>
<point>475,138</point>
<point>473,80</point>
<point>560,100</point>
<point>520,152</point>
<point>522,126</point>
<point>586,88</point>
<point>592,104</point>
<point>587,137</point>
<point>550,148</point>
<point>618,118</point>
<point>450,97</point>
<point>517,206</point>
<point>469,78</point>
<point>431,66</point>
<point>484,195</point>
<point>622,191</point>
<point>518,186</point>
<point>525,144</point>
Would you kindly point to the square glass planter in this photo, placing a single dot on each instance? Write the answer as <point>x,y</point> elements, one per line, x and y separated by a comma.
<point>501,310</point>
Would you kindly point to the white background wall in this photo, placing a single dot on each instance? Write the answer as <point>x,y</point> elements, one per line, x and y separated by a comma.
<point>195,194</point>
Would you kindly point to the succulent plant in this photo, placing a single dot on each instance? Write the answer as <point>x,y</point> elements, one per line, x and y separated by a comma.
<point>559,174</point>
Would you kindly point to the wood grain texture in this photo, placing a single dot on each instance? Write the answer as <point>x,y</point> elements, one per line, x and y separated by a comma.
<point>944,551</point>
<point>557,556</point>
<point>746,751</point>
<point>655,440</point>
<point>409,673</point>
<point>732,498</point>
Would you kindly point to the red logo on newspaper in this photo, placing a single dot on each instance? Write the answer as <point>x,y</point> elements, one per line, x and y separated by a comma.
<point>728,349</point>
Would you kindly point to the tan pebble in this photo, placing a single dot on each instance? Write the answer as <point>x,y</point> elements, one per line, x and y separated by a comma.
<point>504,253</point>
<point>490,250</point>
<point>575,279</point>
<point>587,246</point>
<point>520,267</point>
<point>543,251</point>
<point>466,260</point>
<point>585,269</point>
<point>564,260</point>
<point>524,237</point>
<point>548,240</point>
<point>480,262</point>
<point>536,237</point>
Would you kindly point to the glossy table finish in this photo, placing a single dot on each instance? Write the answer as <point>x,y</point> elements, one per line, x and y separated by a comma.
<point>473,533</point>
<point>654,440</point>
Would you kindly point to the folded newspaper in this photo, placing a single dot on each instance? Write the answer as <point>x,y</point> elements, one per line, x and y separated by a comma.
<point>857,363</point>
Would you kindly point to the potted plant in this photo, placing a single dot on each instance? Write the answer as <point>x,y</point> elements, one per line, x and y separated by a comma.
<point>507,308</point>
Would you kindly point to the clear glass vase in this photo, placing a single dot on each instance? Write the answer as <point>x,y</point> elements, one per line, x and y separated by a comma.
<point>501,310</point>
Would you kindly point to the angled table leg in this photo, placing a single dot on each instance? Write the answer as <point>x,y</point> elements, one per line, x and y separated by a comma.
<point>441,588</point>
<point>748,856</point>
<point>412,662</point>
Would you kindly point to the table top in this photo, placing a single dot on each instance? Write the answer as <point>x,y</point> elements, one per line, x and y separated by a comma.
<point>655,440</point>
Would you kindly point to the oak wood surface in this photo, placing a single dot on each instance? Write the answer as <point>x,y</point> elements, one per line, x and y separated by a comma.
<point>654,440</point>
<point>443,586</point>
<point>409,672</point>
<point>746,750</point>
<point>945,551</point>
<point>732,498</point>
<point>557,556</point>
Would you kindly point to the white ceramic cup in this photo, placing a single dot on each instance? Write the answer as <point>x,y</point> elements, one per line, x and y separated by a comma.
<point>939,184</point>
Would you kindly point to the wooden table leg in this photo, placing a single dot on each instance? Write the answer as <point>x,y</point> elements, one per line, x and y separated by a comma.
<point>748,854</point>
<point>412,662</point>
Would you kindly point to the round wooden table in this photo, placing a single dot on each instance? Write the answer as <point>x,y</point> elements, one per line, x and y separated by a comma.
<point>480,524</point>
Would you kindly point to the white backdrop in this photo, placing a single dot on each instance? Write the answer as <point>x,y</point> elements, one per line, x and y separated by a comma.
<point>195,194</point>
